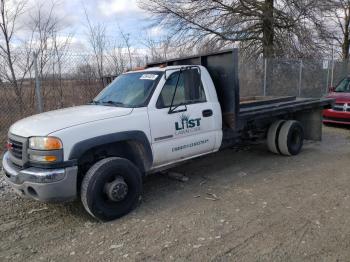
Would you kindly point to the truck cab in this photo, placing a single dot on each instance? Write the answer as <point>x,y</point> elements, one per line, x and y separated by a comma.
<point>154,118</point>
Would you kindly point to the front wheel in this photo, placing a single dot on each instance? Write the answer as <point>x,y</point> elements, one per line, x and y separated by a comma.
<point>111,188</point>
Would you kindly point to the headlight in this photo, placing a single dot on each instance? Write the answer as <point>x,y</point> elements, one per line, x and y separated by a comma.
<point>45,143</point>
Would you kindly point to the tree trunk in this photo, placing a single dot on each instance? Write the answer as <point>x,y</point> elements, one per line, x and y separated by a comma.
<point>346,43</point>
<point>268,48</point>
<point>345,46</point>
<point>13,80</point>
<point>268,29</point>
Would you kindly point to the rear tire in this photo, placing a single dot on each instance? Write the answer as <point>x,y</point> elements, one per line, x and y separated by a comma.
<point>291,138</point>
<point>272,136</point>
<point>111,188</point>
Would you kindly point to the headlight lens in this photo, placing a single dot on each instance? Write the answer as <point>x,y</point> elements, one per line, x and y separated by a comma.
<point>45,143</point>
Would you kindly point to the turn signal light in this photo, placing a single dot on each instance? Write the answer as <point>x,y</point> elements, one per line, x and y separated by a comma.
<point>50,158</point>
<point>43,158</point>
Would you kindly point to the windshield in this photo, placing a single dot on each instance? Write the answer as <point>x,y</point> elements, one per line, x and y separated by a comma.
<point>129,90</point>
<point>343,86</point>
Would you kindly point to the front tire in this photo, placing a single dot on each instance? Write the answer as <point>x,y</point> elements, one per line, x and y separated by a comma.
<point>111,188</point>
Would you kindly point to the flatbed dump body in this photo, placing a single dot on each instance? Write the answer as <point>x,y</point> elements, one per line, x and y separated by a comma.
<point>243,116</point>
<point>238,111</point>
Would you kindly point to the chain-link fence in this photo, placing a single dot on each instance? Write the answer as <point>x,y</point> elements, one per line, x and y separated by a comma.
<point>53,80</point>
<point>286,77</point>
<point>43,81</point>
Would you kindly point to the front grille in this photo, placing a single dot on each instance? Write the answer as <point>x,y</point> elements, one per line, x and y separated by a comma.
<point>341,107</point>
<point>338,107</point>
<point>17,148</point>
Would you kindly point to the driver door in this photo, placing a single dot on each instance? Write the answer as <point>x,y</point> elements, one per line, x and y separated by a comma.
<point>182,122</point>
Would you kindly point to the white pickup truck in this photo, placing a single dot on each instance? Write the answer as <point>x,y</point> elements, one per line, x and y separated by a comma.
<point>145,121</point>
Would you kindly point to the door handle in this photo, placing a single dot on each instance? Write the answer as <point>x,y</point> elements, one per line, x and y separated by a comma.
<point>207,113</point>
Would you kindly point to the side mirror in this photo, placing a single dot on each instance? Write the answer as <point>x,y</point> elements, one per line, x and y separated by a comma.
<point>331,89</point>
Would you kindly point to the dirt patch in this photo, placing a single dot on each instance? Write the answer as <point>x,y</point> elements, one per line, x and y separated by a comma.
<point>266,208</point>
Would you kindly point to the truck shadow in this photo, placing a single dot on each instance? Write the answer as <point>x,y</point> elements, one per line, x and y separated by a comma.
<point>203,173</point>
<point>161,192</point>
<point>339,126</point>
<point>211,173</point>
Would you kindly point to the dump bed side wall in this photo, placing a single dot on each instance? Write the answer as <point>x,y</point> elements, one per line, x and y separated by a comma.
<point>223,69</point>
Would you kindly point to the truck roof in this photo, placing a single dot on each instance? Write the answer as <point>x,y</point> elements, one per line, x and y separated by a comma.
<point>160,68</point>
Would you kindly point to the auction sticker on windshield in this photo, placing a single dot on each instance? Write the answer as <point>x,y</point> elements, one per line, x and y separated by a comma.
<point>148,77</point>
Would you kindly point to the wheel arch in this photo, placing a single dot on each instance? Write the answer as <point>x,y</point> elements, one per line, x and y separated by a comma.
<point>132,145</point>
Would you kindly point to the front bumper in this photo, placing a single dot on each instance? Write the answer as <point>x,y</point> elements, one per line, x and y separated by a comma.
<point>336,117</point>
<point>48,185</point>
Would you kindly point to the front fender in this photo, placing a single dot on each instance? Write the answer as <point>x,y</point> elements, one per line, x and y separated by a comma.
<point>83,146</point>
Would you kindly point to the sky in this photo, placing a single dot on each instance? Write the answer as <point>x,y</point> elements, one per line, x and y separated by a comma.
<point>114,14</point>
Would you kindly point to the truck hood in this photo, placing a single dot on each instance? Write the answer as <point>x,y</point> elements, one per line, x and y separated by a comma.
<point>49,122</point>
<point>340,97</point>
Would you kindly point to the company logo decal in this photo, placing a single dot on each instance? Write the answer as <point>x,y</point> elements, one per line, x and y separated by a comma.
<point>187,125</point>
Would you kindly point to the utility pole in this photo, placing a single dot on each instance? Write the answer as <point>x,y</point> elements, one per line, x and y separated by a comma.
<point>332,72</point>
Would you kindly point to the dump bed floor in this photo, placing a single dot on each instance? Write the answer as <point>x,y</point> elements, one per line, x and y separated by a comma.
<point>269,106</point>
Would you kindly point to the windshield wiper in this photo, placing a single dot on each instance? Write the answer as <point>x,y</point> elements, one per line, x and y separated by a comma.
<point>114,103</point>
<point>109,102</point>
<point>94,102</point>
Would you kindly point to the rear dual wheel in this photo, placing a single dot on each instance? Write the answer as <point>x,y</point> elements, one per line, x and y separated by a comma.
<point>285,137</point>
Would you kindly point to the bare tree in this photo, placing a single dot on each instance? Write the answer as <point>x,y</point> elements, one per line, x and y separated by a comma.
<point>45,25</point>
<point>118,60</point>
<point>60,49</point>
<point>85,71</point>
<point>126,39</point>
<point>267,27</point>
<point>158,49</point>
<point>337,14</point>
<point>98,42</point>
<point>13,70</point>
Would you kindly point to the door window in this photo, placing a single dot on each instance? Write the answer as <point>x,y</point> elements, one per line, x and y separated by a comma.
<point>189,89</point>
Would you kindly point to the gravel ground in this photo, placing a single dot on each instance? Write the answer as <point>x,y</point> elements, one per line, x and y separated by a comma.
<point>238,205</point>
